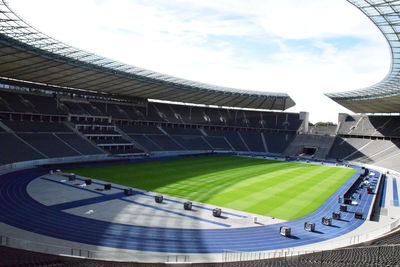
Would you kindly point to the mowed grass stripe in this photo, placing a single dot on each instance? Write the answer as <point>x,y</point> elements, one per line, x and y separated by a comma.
<point>213,183</point>
<point>268,185</point>
<point>255,185</point>
<point>312,194</point>
<point>273,198</point>
<point>313,198</point>
<point>260,182</point>
<point>229,179</point>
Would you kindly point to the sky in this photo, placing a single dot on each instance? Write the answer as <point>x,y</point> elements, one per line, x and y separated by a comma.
<point>301,47</point>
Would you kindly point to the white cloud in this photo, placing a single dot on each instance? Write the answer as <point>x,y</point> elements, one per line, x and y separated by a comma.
<point>183,38</point>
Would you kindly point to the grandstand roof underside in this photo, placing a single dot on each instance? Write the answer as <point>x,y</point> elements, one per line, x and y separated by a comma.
<point>383,97</point>
<point>28,55</point>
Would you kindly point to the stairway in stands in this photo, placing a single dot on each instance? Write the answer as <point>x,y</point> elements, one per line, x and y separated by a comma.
<point>102,132</point>
<point>321,143</point>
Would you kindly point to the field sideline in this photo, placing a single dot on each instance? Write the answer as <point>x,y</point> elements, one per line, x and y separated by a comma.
<point>285,190</point>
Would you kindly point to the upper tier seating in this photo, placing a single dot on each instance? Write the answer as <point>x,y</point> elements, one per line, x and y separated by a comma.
<point>133,112</point>
<point>81,108</point>
<point>370,125</point>
<point>4,105</point>
<point>164,112</point>
<point>22,102</point>
<point>44,104</point>
<point>157,112</point>
<point>110,110</point>
<point>75,108</point>
<point>13,102</point>
<point>91,109</point>
<point>215,116</point>
<point>198,116</point>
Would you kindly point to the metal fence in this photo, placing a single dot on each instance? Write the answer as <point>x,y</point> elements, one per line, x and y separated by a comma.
<point>324,248</point>
<point>386,255</point>
<point>325,251</point>
<point>106,254</point>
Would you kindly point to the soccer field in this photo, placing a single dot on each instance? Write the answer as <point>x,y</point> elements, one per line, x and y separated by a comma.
<point>285,190</point>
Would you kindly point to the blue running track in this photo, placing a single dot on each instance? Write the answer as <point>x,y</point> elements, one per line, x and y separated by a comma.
<point>383,196</point>
<point>20,210</point>
<point>395,193</point>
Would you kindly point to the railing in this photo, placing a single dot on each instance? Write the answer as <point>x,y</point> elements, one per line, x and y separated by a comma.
<point>385,255</point>
<point>230,256</point>
<point>106,254</point>
<point>227,256</point>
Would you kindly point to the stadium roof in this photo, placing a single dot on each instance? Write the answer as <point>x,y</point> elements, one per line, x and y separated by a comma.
<point>383,97</point>
<point>29,55</point>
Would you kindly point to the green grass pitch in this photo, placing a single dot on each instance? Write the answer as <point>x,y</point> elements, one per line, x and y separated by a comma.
<point>285,190</point>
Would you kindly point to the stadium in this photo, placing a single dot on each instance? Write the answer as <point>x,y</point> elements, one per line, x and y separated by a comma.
<point>107,164</point>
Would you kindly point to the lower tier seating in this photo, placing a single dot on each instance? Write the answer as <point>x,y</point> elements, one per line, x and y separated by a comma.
<point>146,142</point>
<point>192,142</point>
<point>50,145</point>
<point>79,143</point>
<point>13,149</point>
<point>165,142</point>
<point>218,143</point>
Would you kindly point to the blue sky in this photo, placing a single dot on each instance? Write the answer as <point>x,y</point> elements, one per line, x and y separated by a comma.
<point>301,47</point>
